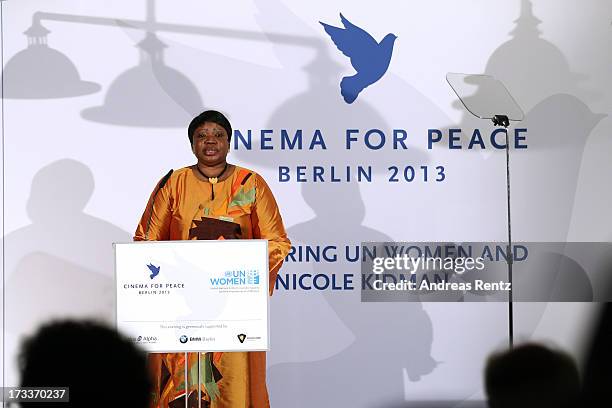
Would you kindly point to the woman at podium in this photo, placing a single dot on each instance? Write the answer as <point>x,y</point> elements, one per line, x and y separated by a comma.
<point>213,199</point>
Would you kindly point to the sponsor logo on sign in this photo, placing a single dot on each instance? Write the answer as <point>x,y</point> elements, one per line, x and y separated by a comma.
<point>144,339</point>
<point>243,337</point>
<point>236,278</point>
<point>154,270</point>
<point>149,287</point>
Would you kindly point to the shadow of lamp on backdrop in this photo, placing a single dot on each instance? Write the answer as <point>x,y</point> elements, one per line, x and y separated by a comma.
<point>41,72</point>
<point>487,98</point>
<point>164,96</point>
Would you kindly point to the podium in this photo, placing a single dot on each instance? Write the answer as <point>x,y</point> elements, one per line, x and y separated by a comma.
<point>193,296</point>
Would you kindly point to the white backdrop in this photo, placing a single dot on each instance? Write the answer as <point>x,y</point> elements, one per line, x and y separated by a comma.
<point>78,170</point>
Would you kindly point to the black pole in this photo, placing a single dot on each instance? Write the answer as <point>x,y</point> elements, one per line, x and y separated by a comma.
<point>502,120</point>
<point>509,254</point>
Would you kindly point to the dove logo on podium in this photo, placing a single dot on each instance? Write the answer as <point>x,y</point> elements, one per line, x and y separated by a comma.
<point>369,58</point>
<point>154,270</point>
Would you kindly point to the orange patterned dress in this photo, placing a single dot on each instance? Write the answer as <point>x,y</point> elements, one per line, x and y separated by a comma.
<point>242,207</point>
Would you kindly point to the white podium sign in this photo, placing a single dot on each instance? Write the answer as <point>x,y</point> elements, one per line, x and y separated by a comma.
<point>176,296</point>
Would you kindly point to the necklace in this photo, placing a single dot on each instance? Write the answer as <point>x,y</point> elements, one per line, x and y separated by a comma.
<point>212,180</point>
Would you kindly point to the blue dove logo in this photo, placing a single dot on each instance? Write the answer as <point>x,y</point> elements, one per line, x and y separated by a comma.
<point>154,270</point>
<point>369,58</point>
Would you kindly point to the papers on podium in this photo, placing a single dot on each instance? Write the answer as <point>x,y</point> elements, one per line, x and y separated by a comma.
<point>176,296</point>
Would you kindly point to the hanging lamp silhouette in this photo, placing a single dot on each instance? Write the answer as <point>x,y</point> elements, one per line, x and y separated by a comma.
<point>150,94</point>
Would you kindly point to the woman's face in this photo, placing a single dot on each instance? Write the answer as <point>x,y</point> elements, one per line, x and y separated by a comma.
<point>210,144</point>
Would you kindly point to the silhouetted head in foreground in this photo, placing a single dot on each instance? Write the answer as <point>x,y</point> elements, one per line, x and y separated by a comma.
<point>100,367</point>
<point>598,369</point>
<point>531,376</point>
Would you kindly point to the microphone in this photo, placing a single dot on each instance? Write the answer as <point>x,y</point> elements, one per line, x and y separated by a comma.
<point>162,183</point>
